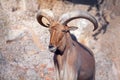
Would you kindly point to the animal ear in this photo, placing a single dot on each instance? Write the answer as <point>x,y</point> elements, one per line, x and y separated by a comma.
<point>72,28</point>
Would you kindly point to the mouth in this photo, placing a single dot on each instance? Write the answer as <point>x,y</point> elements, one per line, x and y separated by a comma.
<point>53,49</point>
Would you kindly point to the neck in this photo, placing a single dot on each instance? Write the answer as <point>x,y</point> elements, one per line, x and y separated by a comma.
<point>64,43</point>
<point>62,53</point>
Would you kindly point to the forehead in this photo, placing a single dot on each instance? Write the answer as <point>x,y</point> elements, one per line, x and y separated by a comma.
<point>57,25</point>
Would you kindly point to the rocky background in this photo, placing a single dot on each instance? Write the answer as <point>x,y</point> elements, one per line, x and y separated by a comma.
<point>23,42</point>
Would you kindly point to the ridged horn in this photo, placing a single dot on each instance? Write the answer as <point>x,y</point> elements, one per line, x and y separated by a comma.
<point>67,17</point>
<point>46,14</point>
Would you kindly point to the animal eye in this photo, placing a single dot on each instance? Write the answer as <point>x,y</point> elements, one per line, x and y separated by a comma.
<point>53,29</point>
<point>65,31</point>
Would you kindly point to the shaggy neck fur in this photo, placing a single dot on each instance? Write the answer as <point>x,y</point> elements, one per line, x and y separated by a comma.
<point>64,42</point>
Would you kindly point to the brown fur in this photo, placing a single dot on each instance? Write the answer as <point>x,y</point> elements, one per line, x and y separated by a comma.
<point>73,61</point>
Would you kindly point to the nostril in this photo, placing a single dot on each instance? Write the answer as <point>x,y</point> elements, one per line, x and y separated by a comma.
<point>51,46</point>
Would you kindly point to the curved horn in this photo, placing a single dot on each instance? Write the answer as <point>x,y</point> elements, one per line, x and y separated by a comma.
<point>65,18</point>
<point>46,14</point>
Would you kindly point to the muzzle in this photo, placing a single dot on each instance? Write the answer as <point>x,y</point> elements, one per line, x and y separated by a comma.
<point>52,48</point>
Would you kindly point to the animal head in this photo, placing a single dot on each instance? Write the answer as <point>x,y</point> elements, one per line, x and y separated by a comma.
<point>59,28</point>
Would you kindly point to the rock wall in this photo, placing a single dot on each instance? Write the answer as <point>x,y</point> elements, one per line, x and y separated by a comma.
<point>112,5</point>
<point>23,42</point>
